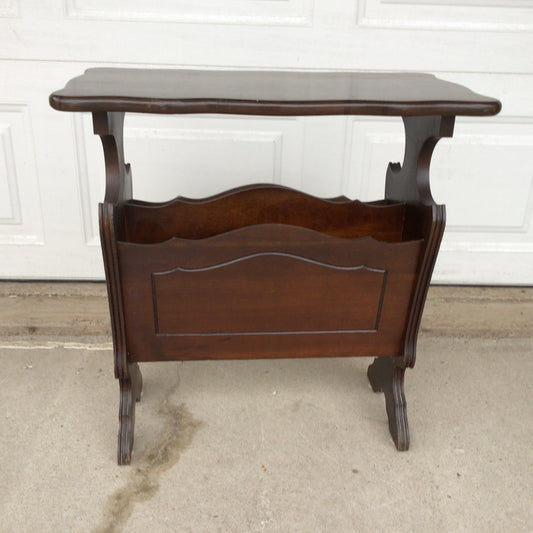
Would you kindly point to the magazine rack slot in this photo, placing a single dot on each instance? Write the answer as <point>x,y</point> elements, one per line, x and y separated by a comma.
<point>146,223</point>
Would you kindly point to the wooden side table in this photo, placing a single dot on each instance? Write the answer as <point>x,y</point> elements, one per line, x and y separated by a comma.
<point>264,271</point>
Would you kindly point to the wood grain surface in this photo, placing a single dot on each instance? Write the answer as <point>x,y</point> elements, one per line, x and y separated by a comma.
<point>268,93</point>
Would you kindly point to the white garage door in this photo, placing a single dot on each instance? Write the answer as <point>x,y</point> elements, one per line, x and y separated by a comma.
<point>51,166</point>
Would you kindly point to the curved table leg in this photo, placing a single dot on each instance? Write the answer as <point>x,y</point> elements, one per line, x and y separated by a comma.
<point>386,375</point>
<point>130,392</point>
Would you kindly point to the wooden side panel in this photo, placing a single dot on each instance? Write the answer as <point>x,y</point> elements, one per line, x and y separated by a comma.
<point>267,293</point>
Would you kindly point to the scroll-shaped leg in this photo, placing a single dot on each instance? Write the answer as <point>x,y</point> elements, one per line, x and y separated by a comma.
<point>386,375</point>
<point>109,126</point>
<point>130,392</point>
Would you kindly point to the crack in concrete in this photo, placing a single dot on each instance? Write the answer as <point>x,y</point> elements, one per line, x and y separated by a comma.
<point>177,435</point>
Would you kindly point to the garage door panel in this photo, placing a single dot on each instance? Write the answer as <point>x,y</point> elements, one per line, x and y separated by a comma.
<point>51,164</point>
<point>20,209</point>
<point>466,15</point>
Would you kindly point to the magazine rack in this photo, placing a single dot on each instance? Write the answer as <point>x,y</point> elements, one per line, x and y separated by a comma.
<point>264,271</point>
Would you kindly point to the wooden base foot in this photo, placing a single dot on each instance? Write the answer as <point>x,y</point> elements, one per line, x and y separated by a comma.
<point>386,376</point>
<point>130,392</point>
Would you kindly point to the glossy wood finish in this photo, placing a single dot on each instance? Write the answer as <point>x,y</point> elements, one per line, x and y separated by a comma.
<point>260,204</point>
<point>269,93</point>
<point>386,375</point>
<point>425,220</point>
<point>379,278</point>
<point>109,126</point>
<point>266,271</point>
<point>130,393</point>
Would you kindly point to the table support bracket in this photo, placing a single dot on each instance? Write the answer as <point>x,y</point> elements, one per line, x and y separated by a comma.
<point>409,182</point>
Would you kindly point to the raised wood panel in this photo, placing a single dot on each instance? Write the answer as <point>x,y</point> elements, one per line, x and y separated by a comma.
<point>267,293</point>
<point>376,294</point>
<point>264,12</point>
<point>468,15</point>
<point>20,210</point>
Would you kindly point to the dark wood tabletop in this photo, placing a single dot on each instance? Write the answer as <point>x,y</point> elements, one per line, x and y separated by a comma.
<point>269,93</point>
